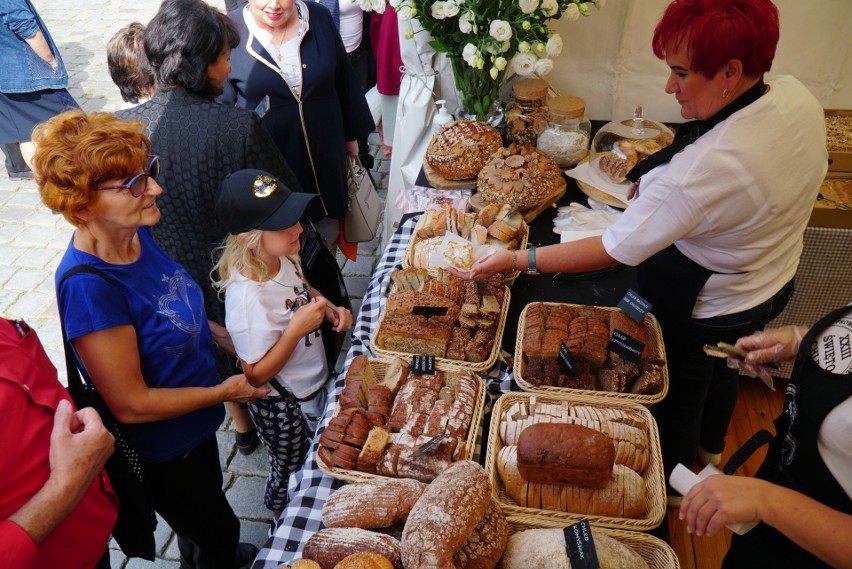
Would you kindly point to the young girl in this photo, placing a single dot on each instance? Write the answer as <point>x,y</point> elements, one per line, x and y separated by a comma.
<point>273,316</point>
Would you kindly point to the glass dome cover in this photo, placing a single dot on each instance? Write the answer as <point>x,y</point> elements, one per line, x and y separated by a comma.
<point>636,129</point>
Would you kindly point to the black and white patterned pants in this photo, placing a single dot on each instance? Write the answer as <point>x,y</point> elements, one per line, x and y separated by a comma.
<point>282,429</point>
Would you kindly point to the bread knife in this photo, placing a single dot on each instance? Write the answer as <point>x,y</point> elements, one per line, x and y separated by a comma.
<point>428,445</point>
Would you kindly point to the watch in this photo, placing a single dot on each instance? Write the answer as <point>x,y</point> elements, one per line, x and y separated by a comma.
<point>531,266</point>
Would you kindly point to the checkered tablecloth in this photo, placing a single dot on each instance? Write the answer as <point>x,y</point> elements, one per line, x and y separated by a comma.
<point>309,487</point>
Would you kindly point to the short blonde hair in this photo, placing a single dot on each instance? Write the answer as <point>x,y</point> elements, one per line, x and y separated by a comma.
<point>77,152</point>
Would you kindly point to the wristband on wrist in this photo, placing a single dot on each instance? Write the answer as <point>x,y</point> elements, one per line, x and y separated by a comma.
<point>514,259</point>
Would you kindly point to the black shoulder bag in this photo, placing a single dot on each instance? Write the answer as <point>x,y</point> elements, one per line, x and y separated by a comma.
<point>322,272</point>
<point>134,529</point>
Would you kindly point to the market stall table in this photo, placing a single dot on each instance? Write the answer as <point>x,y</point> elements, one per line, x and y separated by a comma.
<point>309,487</point>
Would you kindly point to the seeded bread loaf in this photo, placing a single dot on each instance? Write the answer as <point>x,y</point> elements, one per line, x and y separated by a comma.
<point>518,176</point>
<point>413,335</point>
<point>444,516</point>
<point>460,148</point>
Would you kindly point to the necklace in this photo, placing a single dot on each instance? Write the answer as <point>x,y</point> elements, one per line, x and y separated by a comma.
<point>303,294</point>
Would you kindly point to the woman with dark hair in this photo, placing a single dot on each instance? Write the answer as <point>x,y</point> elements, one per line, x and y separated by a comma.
<point>128,65</point>
<point>199,141</point>
<point>138,327</point>
<point>716,230</point>
<point>291,59</point>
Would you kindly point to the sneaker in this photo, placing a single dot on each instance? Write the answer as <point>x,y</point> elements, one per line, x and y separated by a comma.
<point>246,442</point>
<point>706,458</point>
<point>245,555</point>
<point>20,176</point>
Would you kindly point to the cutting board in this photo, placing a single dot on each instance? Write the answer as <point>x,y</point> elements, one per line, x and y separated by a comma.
<point>439,182</point>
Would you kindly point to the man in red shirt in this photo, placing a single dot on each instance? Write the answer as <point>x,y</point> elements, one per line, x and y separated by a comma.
<point>56,504</point>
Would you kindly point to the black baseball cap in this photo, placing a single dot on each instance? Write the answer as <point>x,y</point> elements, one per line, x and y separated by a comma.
<point>254,199</point>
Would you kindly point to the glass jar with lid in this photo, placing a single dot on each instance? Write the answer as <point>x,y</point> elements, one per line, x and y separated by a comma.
<point>526,117</point>
<point>566,138</point>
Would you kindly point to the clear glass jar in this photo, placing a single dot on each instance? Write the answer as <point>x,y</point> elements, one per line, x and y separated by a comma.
<point>566,137</point>
<point>526,117</point>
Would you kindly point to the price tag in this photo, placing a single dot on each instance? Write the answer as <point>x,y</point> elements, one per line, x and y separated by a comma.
<point>634,306</point>
<point>626,346</point>
<point>566,359</point>
<point>423,365</point>
<point>580,546</point>
<point>429,311</point>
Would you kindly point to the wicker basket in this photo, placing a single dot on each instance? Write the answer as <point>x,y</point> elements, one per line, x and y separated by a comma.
<point>480,367</point>
<point>655,485</point>
<point>408,258</point>
<point>656,553</point>
<point>380,367</point>
<point>656,347</point>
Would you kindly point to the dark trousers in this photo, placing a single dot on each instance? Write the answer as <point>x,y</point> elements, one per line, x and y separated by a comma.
<point>14,160</point>
<point>703,390</point>
<point>187,493</point>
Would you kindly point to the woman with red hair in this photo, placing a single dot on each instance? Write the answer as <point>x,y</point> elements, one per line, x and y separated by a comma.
<point>716,229</point>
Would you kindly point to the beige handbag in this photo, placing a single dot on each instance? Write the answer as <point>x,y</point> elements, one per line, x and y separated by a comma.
<point>365,205</point>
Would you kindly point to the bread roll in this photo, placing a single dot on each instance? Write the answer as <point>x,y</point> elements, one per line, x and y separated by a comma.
<point>365,560</point>
<point>545,549</point>
<point>554,453</point>
<point>330,546</point>
<point>305,564</point>
<point>444,516</point>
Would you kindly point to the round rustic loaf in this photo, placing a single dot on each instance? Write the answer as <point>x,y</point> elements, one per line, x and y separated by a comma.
<point>518,175</point>
<point>460,148</point>
<point>365,560</point>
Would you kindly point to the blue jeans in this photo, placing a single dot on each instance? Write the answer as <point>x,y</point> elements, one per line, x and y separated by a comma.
<point>703,390</point>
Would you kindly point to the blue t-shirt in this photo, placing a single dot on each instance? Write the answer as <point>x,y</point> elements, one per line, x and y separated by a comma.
<point>166,308</point>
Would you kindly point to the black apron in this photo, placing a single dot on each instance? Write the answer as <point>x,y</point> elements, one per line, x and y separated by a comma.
<point>793,459</point>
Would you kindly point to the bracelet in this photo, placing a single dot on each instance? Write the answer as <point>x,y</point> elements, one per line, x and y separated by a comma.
<point>514,259</point>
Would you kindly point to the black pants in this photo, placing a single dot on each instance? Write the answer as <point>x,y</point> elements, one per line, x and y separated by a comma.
<point>14,160</point>
<point>187,493</point>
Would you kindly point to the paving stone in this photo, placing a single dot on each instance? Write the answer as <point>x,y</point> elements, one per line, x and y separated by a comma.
<point>27,279</point>
<point>116,559</point>
<point>162,535</point>
<point>159,563</point>
<point>25,199</point>
<point>246,497</point>
<point>225,440</point>
<point>6,273</point>
<point>9,231</point>
<point>10,253</point>
<point>38,257</point>
<point>7,299</point>
<point>255,464</point>
<point>357,286</point>
<point>362,267</point>
<point>255,532</point>
<point>29,303</point>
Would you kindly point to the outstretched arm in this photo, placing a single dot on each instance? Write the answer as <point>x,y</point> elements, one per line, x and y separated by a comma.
<point>722,500</point>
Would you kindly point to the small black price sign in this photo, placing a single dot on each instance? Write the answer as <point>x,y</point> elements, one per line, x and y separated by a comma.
<point>429,311</point>
<point>423,365</point>
<point>626,346</point>
<point>634,306</point>
<point>580,546</point>
<point>566,359</point>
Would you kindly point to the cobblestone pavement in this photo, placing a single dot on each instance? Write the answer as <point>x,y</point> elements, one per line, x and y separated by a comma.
<point>33,239</point>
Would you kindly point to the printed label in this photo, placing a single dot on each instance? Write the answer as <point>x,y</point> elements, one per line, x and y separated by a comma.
<point>580,546</point>
<point>566,359</point>
<point>626,346</point>
<point>423,365</point>
<point>634,306</point>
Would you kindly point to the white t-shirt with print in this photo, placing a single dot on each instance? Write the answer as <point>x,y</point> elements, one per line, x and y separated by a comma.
<point>256,315</point>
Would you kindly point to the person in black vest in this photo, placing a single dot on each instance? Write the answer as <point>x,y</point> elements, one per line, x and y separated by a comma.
<point>802,493</point>
<point>716,230</point>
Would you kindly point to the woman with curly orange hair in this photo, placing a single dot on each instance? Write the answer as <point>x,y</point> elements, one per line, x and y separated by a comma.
<point>138,326</point>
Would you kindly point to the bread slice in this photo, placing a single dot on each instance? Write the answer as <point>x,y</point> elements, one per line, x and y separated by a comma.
<point>412,278</point>
<point>374,446</point>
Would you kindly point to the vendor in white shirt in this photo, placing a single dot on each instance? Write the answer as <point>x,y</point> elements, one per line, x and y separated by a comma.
<point>716,230</point>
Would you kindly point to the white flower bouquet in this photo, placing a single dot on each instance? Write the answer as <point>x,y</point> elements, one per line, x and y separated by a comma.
<point>485,38</point>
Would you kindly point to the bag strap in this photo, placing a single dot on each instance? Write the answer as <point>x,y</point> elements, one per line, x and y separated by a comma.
<point>71,368</point>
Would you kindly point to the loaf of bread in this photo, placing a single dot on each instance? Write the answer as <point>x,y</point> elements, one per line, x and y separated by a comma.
<point>411,278</point>
<point>401,303</point>
<point>330,546</point>
<point>365,560</point>
<point>617,164</point>
<point>413,335</point>
<point>460,148</point>
<point>560,453</point>
<point>444,516</point>
<point>622,497</point>
<point>483,548</point>
<point>618,320</point>
<point>518,176</point>
<point>378,503</point>
<point>546,549</point>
